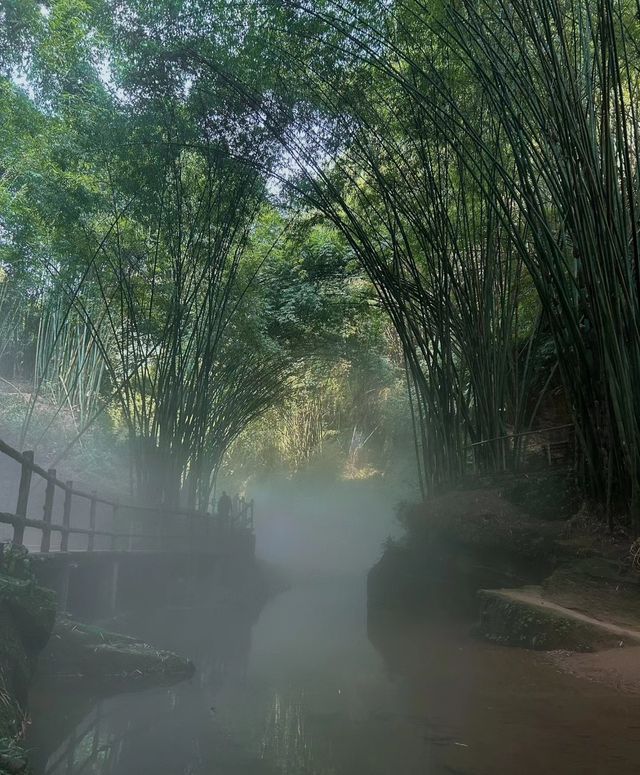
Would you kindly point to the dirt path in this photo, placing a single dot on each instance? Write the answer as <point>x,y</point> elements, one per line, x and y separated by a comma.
<point>533,596</point>
<point>617,667</point>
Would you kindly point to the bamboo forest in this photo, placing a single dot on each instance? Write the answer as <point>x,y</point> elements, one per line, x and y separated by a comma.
<point>319,387</point>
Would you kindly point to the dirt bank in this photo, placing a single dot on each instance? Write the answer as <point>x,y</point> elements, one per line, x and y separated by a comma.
<point>458,543</point>
<point>548,585</point>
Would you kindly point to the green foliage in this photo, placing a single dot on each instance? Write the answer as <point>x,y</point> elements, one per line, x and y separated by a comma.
<point>15,562</point>
<point>209,205</point>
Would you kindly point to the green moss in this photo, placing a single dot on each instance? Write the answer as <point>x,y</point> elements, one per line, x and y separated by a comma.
<point>527,625</point>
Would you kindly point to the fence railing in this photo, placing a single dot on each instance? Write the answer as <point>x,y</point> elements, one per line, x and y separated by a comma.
<point>515,451</point>
<point>172,527</point>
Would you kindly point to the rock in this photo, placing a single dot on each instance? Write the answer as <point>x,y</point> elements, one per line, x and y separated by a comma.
<point>89,653</point>
<point>524,618</point>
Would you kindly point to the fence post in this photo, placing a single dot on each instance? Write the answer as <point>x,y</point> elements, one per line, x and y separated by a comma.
<point>92,522</point>
<point>66,517</point>
<point>23,497</point>
<point>45,544</point>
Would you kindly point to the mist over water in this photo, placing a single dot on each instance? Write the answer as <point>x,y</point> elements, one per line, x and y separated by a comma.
<point>308,686</point>
<point>320,525</point>
<point>286,692</point>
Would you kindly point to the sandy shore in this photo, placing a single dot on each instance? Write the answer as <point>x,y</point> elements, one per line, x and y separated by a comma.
<point>618,667</point>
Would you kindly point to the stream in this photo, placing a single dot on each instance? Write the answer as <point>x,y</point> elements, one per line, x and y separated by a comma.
<point>305,687</point>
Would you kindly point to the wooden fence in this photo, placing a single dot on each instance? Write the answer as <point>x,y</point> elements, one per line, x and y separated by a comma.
<point>519,451</point>
<point>172,527</point>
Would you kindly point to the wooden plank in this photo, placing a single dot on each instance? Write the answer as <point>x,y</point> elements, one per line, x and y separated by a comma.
<point>45,545</point>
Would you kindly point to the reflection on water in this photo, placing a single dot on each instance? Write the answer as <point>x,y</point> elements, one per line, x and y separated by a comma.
<point>302,691</point>
<point>285,741</point>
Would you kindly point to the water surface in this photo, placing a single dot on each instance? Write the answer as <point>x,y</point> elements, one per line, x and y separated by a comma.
<point>308,689</point>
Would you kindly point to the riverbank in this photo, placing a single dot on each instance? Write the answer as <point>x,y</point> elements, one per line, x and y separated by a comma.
<point>27,614</point>
<point>34,639</point>
<point>553,585</point>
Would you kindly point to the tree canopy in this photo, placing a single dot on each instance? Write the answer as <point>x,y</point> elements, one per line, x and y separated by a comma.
<point>201,200</point>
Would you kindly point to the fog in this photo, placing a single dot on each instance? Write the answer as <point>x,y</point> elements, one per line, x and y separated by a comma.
<point>302,682</point>
<point>316,524</point>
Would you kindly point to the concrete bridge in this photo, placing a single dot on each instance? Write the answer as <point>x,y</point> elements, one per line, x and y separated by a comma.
<point>118,554</point>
